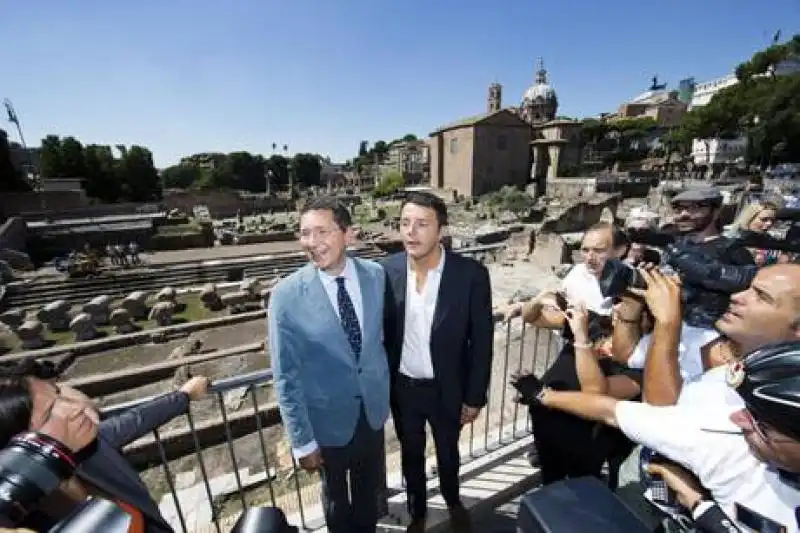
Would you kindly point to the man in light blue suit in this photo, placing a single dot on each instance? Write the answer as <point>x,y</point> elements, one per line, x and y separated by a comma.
<point>330,367</point>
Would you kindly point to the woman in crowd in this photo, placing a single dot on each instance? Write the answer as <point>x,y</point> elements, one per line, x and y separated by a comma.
<point>759,217</point>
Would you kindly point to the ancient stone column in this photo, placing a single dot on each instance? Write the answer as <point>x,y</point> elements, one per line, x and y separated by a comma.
<point>31,333</point>
<point>83,327</point>
<point>236,302</point>
<point>136,304</point>
<point>167,294</point>
<point>162,312</point>
<point>13,318</point>
<point>122,321</point>
<point>210,298</point>
<point>99,308</point>
<point>55,315</point>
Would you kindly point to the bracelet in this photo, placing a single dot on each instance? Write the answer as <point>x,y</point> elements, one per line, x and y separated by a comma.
<point>585,346</point>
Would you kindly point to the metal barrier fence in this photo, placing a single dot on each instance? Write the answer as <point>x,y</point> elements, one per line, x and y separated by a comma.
<point>253,466</point>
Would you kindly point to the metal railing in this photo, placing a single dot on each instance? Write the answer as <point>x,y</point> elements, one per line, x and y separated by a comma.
<point>249,460</point>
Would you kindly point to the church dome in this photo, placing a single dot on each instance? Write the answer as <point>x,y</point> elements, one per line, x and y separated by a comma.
<point>541,89</point>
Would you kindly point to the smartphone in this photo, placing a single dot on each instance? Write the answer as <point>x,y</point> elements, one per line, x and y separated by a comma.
<point>661,493</point>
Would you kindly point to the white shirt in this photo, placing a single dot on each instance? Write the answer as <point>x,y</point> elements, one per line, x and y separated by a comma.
<point>581,286</point>
<point>705,441</point>
<point>415,359</point>
<point>690,358</point>
<point>353,288</point>
<point>710,390</point>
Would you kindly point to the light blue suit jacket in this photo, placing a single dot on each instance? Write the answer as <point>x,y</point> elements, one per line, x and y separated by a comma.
<point>319,385</point>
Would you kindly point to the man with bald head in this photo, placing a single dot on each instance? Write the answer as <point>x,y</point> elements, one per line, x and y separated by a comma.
<point>766,312</point>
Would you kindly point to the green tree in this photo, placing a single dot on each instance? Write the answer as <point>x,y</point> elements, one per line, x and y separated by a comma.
<point>389,184</point>
<point>244,171</point>
<point>72,163</point>
<point>139,175</point>
<point>11,178</point>
<point>279,168</point>
<point>50,158</point>
<point>363,148</point>
<point>101,173</point>
<point>380,149</point>
<point>306,169</point>
<point>180,176</point>
<point>408,137</point>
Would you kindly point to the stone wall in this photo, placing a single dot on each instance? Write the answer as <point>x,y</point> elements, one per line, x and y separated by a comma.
<point>571,188</point>
<point>577,216</point>
<point>223,204</point>
<point>36,203</point>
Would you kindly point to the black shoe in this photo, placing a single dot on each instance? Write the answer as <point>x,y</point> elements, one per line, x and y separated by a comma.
<point>459,519</point>
<point>417,525</point>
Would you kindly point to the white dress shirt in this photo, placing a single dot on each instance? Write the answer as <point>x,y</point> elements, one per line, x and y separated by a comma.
<point>331,287</point>
<point>581,286</point>
<point>690,358</point>
<point>415,360</point>
<point>352,286</point>
<point>705,441</point>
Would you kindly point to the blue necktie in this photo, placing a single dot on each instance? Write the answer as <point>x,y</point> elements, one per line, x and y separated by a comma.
<point>347,314</point>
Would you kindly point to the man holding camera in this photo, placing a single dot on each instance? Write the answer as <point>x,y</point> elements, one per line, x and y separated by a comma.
<point>766,313</point>
<point>30,400</point>
<point>568,446</point>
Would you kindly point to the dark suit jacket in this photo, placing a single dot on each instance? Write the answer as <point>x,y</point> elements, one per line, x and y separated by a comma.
<point>462,336</point>
<point>109,471</point>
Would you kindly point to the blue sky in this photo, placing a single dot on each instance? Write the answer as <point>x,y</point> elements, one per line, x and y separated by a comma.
<point>183,76</point>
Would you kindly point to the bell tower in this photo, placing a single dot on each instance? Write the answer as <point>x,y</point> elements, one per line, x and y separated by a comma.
<point>494,100</point>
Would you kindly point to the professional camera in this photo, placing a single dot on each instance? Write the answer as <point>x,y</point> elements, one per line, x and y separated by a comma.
<point>710,270</point>
<point>31,467</point>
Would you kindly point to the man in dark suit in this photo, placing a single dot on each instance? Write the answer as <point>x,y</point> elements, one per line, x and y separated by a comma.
<point>30,400</point>
<point>439,338</point>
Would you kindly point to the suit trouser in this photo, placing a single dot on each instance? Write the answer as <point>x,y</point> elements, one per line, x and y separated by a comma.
<point>415,405</point>
<point>353,507</point>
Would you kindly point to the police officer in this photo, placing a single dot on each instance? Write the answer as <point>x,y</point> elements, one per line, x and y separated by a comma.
<point>748,462</point>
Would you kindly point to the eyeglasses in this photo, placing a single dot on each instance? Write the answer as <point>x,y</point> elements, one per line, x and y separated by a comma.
<point>763,431</point>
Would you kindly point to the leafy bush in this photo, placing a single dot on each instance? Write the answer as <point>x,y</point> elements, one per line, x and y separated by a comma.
<point>389,184</point>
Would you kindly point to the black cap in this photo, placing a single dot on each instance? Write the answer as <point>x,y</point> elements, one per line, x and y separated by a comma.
<point>768,380</point>
<point>699,195</point>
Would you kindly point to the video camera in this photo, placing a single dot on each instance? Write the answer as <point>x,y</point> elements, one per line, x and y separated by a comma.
<point>750,239</point>
<point>33,465</point>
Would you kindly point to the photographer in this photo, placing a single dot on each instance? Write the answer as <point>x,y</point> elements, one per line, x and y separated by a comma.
<point>31,401</point>
<point>767,312</point>
<point>711,266</point>
<point>568,446</point>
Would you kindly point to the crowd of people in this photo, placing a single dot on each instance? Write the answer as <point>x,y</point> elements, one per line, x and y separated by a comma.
<point>678,378</point>
<point>689,376</point>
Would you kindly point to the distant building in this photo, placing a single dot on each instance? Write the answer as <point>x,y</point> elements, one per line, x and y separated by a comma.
<point>409,158</point>
<point>663,106</point>
<point>722,151</point>
<point>481,154</point>
<point>207,160</point>
<point>506,145</point>
<point>332,174</point>
<point>686,88</point>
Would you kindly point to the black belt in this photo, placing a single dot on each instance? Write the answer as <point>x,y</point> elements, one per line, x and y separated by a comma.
<point>415,382</point>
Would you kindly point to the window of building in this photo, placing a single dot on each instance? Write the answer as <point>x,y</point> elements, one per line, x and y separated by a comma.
<point>502,142</point>
<point>453,146</point>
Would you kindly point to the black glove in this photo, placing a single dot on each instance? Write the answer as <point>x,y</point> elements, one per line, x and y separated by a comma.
<point>529,388</point>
